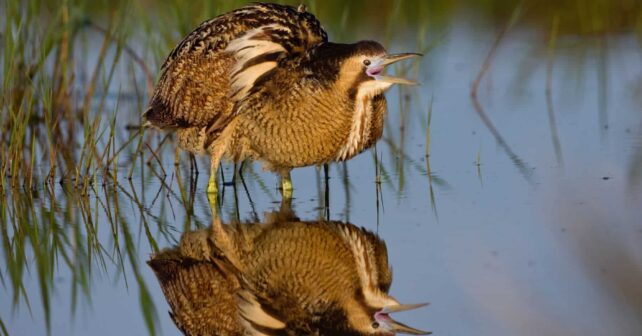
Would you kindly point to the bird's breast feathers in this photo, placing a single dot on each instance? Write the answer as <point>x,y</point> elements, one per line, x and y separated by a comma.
<point>361,127</point>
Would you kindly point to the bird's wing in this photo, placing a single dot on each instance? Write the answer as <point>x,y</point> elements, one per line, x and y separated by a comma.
<point>257,54</point>
<point>256,315</point>
<point>200,295</point>
<point>224,59</point>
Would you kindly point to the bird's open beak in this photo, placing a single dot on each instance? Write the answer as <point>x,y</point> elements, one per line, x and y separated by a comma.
<point>398,327</point>
<point>390,59</point>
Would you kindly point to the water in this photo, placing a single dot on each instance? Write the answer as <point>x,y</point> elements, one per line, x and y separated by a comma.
<point>552,245</point>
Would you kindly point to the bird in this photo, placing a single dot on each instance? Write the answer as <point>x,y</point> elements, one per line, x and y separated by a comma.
<point>264,83</point>
<point>288,277</point>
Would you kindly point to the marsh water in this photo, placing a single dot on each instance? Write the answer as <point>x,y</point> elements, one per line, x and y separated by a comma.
<point>523,219</point>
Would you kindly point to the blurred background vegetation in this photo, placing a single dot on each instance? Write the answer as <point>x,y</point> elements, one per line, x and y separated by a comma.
<point>76,76</point>
<point>54,95</point>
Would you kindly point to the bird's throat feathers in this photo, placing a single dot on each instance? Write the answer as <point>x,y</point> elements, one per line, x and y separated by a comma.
<point>363,96</point>
<point>371,273</point>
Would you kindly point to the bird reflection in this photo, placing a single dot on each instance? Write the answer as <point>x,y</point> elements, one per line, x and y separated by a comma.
<point>280,277</point>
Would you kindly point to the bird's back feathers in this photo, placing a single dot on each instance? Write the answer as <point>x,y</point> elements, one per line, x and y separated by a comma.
<point>199,294</point>
<point>220,61</point>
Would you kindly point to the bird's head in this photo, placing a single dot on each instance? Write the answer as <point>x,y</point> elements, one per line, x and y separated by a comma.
<point>370,320</point>
<point>358,68</point>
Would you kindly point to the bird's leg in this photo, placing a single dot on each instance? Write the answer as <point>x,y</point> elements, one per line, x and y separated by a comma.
<point>286,183</point>
<point>212,193</point>
<point>212,186</point>
<point>286,213</point>
<point>222,240</point>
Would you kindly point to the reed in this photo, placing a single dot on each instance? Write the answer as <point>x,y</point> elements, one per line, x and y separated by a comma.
<point>75,77</point>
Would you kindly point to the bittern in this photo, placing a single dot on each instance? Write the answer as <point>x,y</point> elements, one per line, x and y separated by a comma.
<point>286,278</point>
<point>262,82</point>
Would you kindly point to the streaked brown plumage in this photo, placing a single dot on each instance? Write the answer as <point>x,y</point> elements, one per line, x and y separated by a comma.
<point>200,295</point>
<point>283,278</point>
<point>262,82</point>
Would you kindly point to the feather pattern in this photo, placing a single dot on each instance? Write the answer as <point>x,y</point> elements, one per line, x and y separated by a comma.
<point>256,53</point>
<point>372,274</point>
<point>255,320</point>
<point>263,83</point>
<point>360,128</point>
<point>293,278</point>
<point>222,59</point>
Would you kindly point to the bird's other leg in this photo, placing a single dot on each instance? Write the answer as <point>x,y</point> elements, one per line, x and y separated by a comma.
<point>286,183</point>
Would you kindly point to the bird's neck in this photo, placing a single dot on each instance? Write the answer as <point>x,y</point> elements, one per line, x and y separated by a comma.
<point>357,314</point>
<point>361,130</point>
<point>366,266</point>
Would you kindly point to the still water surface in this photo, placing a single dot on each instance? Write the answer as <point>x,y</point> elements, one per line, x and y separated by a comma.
<point>552,245</point>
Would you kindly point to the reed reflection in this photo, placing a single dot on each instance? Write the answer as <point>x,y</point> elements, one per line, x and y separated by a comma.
<point>282,276</point>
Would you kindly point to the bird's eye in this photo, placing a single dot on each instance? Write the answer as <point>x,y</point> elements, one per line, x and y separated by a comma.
<point>375,325</point>
<point>366,62</point>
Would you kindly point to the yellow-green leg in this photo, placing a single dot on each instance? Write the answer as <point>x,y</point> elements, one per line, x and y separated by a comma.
<point>212,189</point>
<point>212,186</point>
<point>286,184</point>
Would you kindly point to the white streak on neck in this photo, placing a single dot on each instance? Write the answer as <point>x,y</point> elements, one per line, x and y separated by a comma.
<point>366,265</point>
<point>361,119</point>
